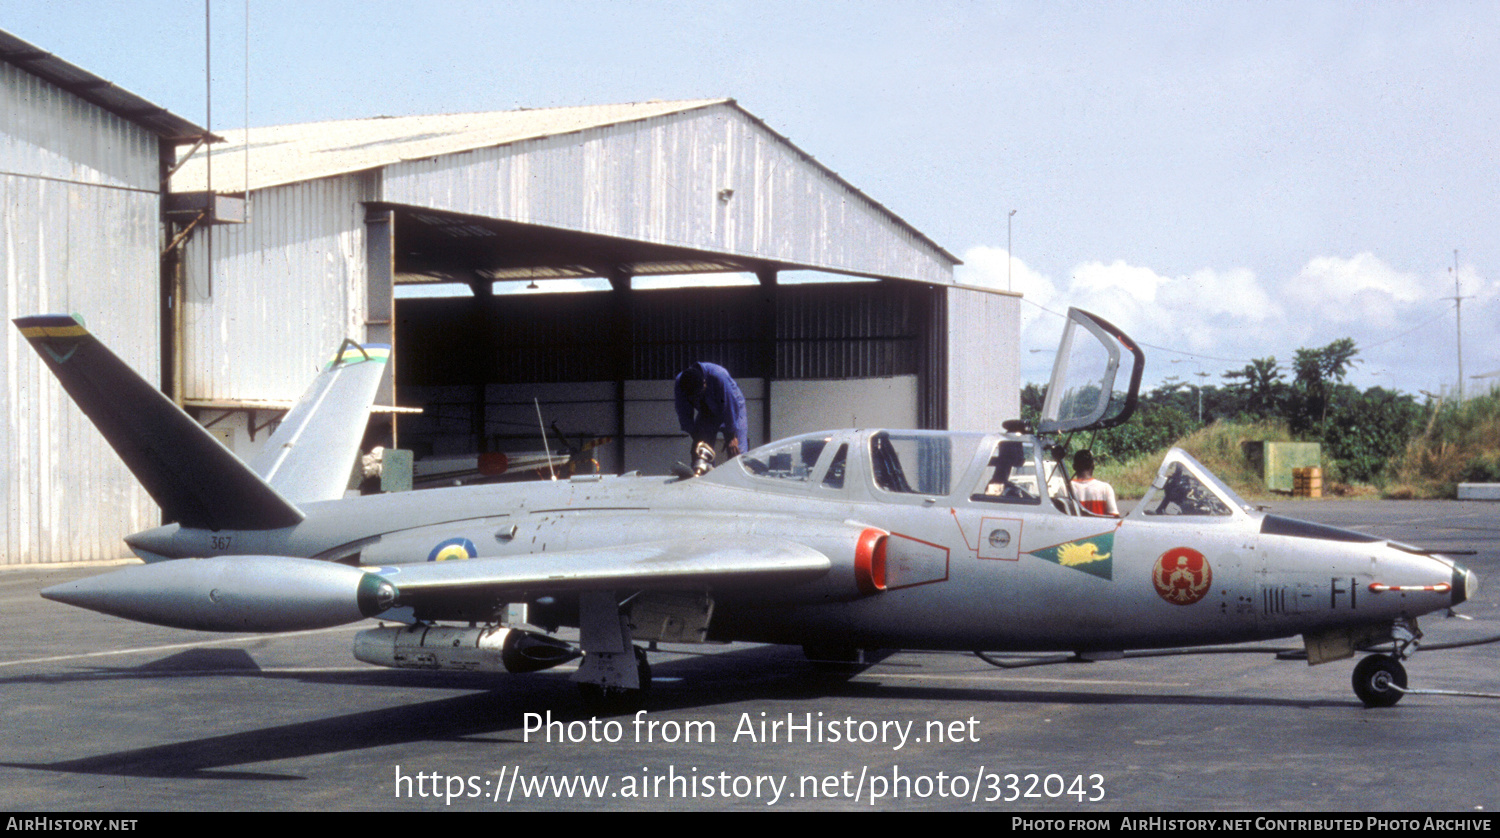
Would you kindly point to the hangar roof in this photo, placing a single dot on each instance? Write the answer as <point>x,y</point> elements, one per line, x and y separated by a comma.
<point>285,154</point>
<point>697,185</point>
<point>91,88</point>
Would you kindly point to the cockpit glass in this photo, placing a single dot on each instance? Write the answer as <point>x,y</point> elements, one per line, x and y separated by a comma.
<point>834,479</point>
<point>912,463</point>
<point>791,460</point>
<point>1092,360</point>
<point>1010,475</point>
<point>1184,494</point>
<point>1184,487</point>
<point>1081,396</point>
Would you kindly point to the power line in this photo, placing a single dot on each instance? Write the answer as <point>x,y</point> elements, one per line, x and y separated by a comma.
<point>1154,346</point>
<point>1423,324</point>
<point>1362,346</point>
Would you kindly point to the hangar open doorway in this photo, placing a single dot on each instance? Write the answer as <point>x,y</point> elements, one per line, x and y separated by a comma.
<point>593,368</point>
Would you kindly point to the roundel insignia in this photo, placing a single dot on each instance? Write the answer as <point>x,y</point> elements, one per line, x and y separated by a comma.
<point>453,548</point>
<point>1182,576</point>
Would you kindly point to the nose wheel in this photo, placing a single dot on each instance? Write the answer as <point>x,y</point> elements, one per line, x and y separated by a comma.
<point>1379,681</point>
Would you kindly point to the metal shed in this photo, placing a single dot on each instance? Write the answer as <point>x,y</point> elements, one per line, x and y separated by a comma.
<point>81,174</point>
<point>341,213</point>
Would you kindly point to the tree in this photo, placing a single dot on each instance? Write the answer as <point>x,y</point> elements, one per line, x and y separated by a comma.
<point>1175,393</point>
<point>1317,370</point>
<point>1033,396</point>
<point>1365,430</point>
<point>1260,387</point>
<point>1156,426</point>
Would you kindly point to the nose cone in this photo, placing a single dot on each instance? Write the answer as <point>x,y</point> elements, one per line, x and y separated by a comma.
<point>1465,583</point>
<point>87,593</point>
<point>239,593</point>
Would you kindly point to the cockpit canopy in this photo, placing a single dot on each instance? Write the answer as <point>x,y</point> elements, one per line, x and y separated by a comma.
<point>1081,394</point>
<point>902,467</point>
<point>972,468</point>
<point>961,469</point>
<point>1183,486</point>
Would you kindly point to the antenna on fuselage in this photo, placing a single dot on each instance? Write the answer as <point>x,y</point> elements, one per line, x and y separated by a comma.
<point>546,446</point>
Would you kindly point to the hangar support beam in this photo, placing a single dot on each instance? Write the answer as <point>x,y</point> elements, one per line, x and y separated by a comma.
<point>769,293</point>
<point>380,283</point>
<point>624,341</point>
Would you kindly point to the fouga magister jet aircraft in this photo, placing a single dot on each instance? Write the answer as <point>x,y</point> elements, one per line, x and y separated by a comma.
<point>837,541</point>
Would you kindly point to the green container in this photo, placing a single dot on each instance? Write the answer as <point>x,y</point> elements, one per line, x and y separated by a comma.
<point>395,471</point>
<point>1275,460</point>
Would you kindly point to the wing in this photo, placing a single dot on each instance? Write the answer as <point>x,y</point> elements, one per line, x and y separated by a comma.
<point>473,589</point>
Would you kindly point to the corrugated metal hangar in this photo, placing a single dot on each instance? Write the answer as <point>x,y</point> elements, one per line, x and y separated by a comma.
<point>321,232</point>
<point>82,168</point>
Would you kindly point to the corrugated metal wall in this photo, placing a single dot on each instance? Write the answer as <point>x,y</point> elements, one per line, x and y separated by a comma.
<point>81,234</point>
<point>284,291</point>
<point>663,180</point>
<point>984,332</point>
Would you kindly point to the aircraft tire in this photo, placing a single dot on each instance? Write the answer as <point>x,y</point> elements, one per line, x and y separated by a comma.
<point>1376,678</point>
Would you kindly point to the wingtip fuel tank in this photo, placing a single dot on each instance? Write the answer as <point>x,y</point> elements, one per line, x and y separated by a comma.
<point>244,593</point>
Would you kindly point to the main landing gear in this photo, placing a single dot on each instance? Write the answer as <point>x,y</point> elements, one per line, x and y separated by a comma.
<point>614,676</point>
<point>614,698</point>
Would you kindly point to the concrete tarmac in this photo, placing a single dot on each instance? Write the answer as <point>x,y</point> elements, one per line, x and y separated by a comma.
<point>105,715</point>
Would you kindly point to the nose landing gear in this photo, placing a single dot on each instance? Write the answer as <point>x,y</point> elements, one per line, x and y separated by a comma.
<point>1379,681</point>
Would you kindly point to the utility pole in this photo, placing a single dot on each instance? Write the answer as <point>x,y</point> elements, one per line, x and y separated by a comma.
<point>1458,309</point>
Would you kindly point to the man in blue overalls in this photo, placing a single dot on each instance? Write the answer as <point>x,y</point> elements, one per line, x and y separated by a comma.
<point>708,402</point>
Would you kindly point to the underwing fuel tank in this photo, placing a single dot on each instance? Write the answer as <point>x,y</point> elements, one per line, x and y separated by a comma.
<point>241,593</point>
<point>451,648</point>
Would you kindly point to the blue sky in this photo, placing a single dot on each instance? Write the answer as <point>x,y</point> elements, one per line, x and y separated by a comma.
<point>1225,180</point>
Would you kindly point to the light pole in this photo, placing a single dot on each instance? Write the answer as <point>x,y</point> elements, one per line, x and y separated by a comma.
<point>1197,387</point>
<point>1008,248</point>
<point>1201,375</point>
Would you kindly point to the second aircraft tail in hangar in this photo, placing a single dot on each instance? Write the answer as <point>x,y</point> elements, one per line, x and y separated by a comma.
<point>310,455</point>
<point>196,480</point>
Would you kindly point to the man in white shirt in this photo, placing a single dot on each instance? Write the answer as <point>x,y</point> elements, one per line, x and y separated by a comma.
<point>1094,495</point>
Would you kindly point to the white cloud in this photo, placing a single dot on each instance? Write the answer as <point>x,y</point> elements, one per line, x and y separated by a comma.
<point>987,267</point>
<point>1360,290</point>
<point>1213,319</point>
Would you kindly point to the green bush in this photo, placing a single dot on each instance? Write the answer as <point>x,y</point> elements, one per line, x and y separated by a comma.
<point>1460,444</point>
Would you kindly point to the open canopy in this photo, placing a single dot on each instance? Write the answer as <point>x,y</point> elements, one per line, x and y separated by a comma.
<point>1090,360</point>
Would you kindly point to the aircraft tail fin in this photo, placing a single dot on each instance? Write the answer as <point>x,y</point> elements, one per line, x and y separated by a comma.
<point>195,479</point>
<point>309,456</point>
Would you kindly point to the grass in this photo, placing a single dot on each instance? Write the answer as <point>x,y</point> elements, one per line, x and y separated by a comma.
<point>1218,446</point>
<point>1460,444</point>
